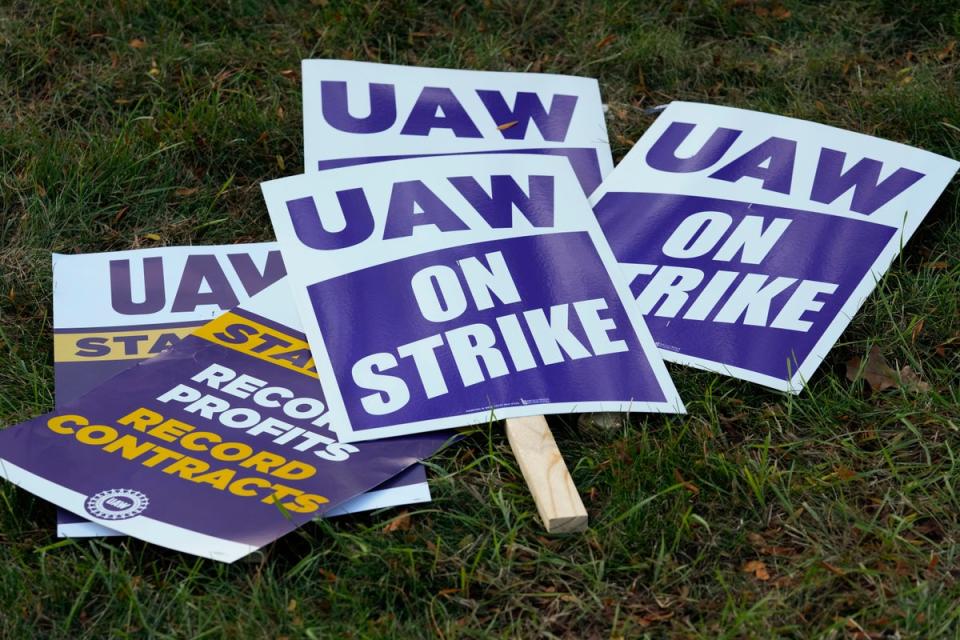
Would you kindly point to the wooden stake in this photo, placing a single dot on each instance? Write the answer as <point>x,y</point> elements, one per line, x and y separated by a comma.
<point>554,493</point>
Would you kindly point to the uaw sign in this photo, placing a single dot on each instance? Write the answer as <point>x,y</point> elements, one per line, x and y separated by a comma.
<point>442,292</point>
<point>351,108</point>
<point>751,240</point>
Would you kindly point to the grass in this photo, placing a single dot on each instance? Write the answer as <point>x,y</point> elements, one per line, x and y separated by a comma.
<point>125,123</point>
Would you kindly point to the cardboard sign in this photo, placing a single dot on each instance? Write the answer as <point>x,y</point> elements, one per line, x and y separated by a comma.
<point>357,112</point>
<point>441,292</point>
<point>215,447</point>
<point>750,240</point>
<point>112,310</point>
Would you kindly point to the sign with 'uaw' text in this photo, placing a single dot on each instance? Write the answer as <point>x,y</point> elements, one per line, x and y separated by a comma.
<point>442,292</point>
<point>750,240</point>
<point>214,447</point>
<point>359,112</point>
<point>112,310</point>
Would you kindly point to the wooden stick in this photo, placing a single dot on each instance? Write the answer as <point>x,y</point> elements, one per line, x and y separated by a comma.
<point>554,493</point>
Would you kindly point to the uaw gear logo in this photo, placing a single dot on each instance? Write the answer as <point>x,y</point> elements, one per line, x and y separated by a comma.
<point>116,504</point>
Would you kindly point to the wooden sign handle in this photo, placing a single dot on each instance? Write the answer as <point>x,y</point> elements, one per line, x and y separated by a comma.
<point>554,493</point>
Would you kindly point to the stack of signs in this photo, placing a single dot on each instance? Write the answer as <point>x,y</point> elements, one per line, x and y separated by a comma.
<point>446,268</point>
<point>112,310</point>
<point>751,240</point>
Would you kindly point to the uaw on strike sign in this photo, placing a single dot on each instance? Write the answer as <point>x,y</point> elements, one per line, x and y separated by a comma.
<point>441,292</point>
<point>750,240</point>
<point>360,112</point>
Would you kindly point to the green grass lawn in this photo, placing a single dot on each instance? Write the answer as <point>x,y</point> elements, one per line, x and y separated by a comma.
<point>834,514</point>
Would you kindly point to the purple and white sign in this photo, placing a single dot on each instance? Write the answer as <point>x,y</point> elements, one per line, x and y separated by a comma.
<point>750,240</point>
<point>442,292</point>
<point>359,112</point>
<point>215,447</point>
<point>113,310</point>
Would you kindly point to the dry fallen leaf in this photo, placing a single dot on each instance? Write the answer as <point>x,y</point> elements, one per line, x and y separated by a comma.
<point>152,236</point>
<point>137,43</point>
<point>123,211</point>
<point>648,619</point>
<point>876,371</point>
<point>689,486</point>
<point>780,12</point>
<point>845,474</point>
<point>758,568</point>
<point>880,375</point>
<point>910,381</point>
<point>947,50</point>
<point>186,191</point>
<point>606,41</point>
<point>400,523</point>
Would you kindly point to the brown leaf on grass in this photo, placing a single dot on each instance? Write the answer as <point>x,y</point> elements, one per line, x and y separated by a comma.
<point>845,474</point>
<point>910,381</point>
<point>186,191</point>
<point>123,211</point>
<point>289,74</point>
<point>832,569</point>
<point>689,486</point>
<point>152,236</point>
<point>758,568</point>
<point>400,523</point>
<point>647,619</point>
<point>917,330</point>
<point>880,375</point>
<point>780,12</point>
<point>506,125</point>
<point>607,41</point>
<point>944,53</point>
<point>876,371</point>
<point>137,43</point>
<point>778,550</point>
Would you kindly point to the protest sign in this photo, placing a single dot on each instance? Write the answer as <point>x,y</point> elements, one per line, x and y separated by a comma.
<point>357,112</point>
<point>112,310</point>
<point>215,447</point>
<point>440,292</point>
<point>750,240</point>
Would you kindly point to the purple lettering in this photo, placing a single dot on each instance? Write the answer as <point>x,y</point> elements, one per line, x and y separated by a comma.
<point>424,117</point>
<point>505,194</point>
<point>202,269</point>
<point>130,344</point>
<point>268,341</point>
<point>869,194</point>
<point>121,287</point>
<point>236,333</point>
<point>663,153</point>
<point>251,278</point>
<point>402,215</point>
<point>553,124</point>
<point>383,107</point>
<point>771,162</point>
<point>309,228</point>
<point>92,347</point>
<point>164,341</point>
